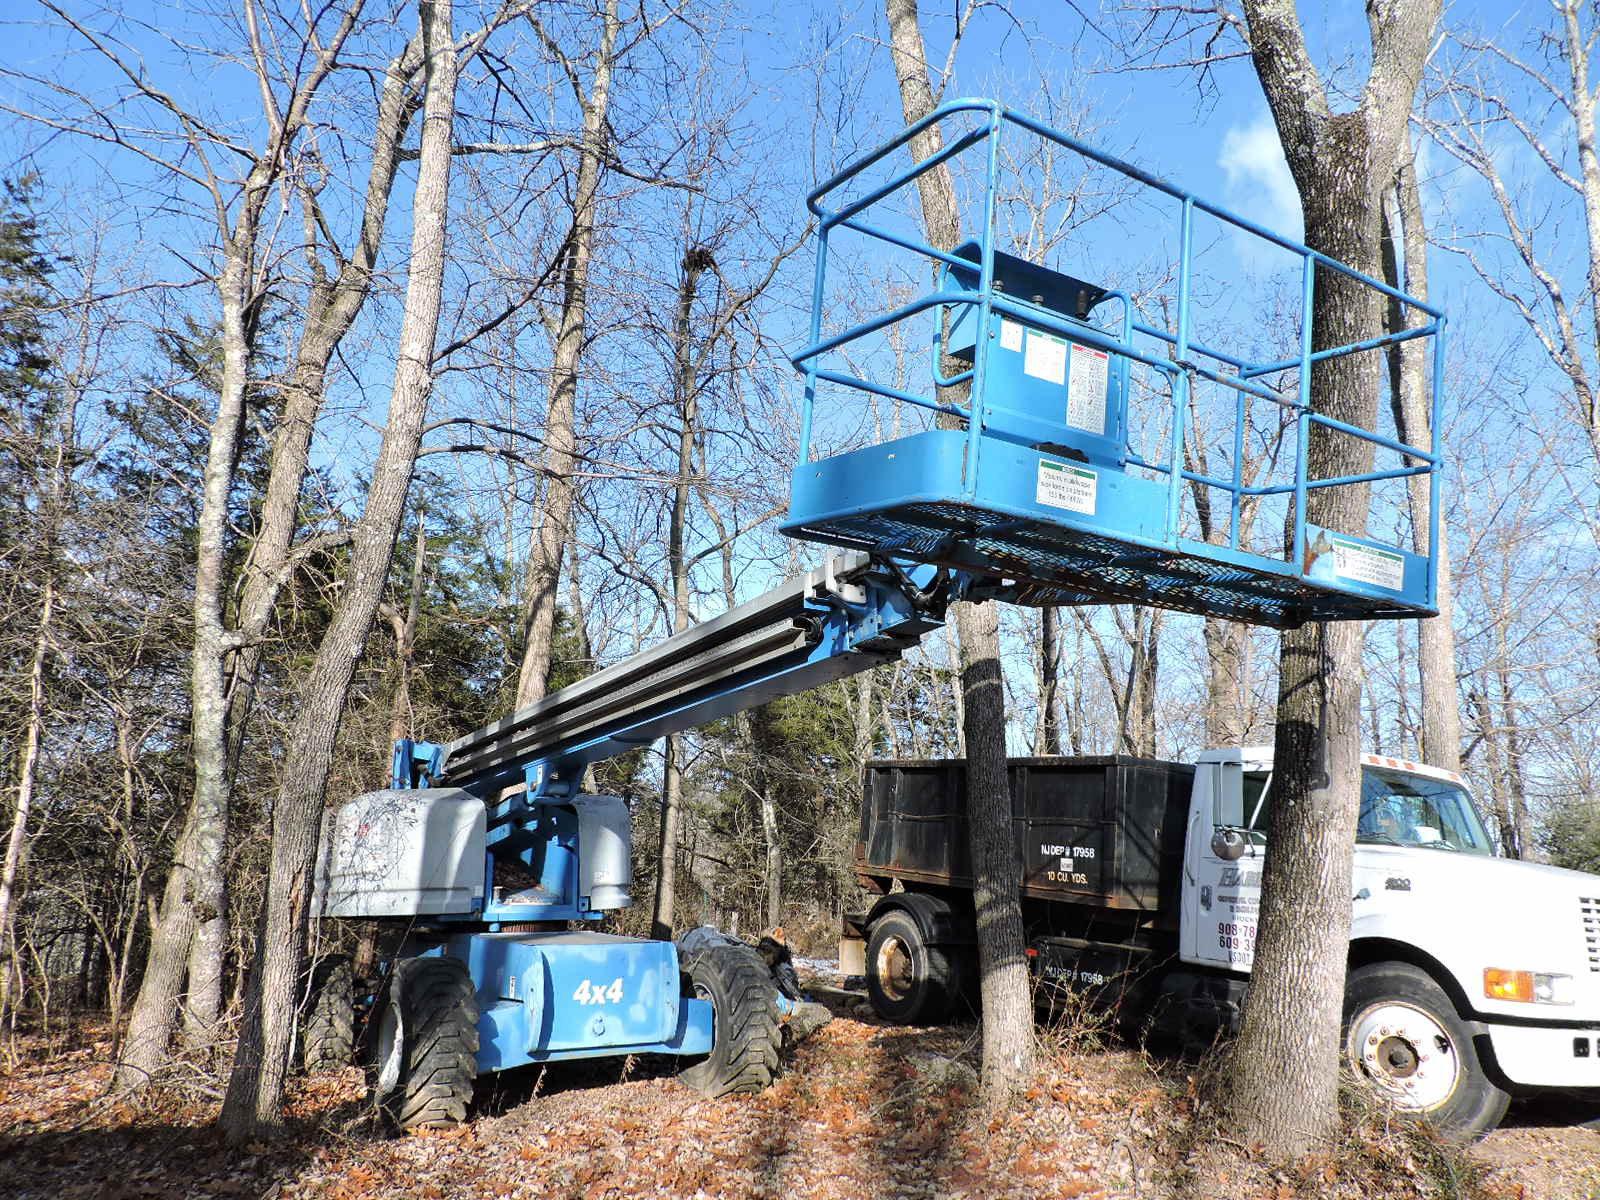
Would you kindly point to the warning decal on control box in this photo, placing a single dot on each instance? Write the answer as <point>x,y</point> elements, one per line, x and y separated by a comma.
<point>1062,485</point>
<point>1367,564</point>
<point>1045,357</point>
<point>1086,389</point>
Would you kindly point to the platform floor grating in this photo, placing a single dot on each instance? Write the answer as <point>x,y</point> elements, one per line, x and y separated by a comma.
<point>1057,565</point>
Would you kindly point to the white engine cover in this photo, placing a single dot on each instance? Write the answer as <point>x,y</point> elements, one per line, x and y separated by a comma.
<point>402,853</point>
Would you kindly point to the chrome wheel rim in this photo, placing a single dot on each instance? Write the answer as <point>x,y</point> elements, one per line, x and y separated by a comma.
<point>1406,1054</point>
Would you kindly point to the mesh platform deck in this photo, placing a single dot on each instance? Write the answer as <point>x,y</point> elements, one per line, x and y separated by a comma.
<point>1053,564</point>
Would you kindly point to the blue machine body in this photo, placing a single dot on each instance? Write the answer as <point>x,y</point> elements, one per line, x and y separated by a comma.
<point>551,993</point>
<point>545,997</point>
<point>1029,490</point>
<point>1033,477</point>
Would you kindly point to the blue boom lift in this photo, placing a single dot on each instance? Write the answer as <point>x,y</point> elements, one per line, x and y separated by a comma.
<point>1026,487</point>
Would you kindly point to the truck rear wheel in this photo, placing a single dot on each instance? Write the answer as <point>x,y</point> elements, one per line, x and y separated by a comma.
<point>744,1054</point>
<point>328,1027</point>
<point>1404,1037</point>
<point>427,1044</point>
<point>908,981</point>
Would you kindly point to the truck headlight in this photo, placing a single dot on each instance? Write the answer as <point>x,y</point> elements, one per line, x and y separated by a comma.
<point>1529,987</point>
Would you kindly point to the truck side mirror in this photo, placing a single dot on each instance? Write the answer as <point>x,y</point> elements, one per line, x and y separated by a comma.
<point>1228,844</point>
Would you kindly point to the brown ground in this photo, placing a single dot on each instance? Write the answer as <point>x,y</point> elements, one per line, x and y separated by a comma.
<point>860,1113</point>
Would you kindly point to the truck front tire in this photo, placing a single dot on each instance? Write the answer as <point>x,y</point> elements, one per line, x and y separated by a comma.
<point>748,1035</point>
<point>1403,1036</point>
<point>427,1044</point>
<point>328,1028</point>
<point>908,981</point>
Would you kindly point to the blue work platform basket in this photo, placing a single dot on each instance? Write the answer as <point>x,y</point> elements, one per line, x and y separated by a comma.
<point>1034,467</point>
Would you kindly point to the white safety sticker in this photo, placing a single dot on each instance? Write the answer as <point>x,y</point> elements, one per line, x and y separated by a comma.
<point>1086,389</point>
<point>1064,485</point>
<point>1010,335</point>
<point>1046,357</point>
<point>1367,564</point>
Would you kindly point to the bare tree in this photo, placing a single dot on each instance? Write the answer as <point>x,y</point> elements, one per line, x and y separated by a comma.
<point>255,1089</point>
<point>1282,1087</point>
<point>1007,999</point>
<point>568,338</point>
<point>201,158</point>
<point>1405,260</point>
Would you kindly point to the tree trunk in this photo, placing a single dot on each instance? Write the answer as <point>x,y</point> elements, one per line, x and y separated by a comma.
<point>686,396</point>
<point>18,838</point>
<point>189,900</point>
<point>1047,738</point>
<point>667,868</point>
<point>1499,792</point>
<point>1227,666</point>
<point>1007,998</point>
<point>1406,267</point>
<point>560,437</point>
<point>251,1107</point>
<point>1282,1086</point>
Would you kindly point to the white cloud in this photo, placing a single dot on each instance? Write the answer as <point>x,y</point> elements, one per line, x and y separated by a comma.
<point>1257,183</point>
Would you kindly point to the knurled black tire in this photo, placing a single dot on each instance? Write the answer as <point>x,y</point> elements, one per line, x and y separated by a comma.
<point>1474,1104</point>
<point>744,1057</point>
<point>909,981</point>
<point>428,1057</point>
<point>328,1026</point>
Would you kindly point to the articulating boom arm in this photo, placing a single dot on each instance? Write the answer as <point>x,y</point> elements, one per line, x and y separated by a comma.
<point>847,616</point>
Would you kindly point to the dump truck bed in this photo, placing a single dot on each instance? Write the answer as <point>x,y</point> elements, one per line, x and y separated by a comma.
<point>1105,831</point>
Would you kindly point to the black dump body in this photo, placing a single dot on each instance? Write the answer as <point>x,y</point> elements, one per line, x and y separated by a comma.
<point>1106,831</point>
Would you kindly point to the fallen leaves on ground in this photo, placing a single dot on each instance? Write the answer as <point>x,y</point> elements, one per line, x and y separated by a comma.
<point>858,1113</point>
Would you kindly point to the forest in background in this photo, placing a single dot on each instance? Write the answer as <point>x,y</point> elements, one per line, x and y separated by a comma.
<point>608,443</point>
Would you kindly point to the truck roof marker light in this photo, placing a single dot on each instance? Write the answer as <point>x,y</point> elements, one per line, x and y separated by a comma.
<point>1405,764</point>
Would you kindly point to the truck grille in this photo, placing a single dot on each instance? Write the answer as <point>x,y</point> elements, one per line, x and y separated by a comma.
<point>1590,907</point>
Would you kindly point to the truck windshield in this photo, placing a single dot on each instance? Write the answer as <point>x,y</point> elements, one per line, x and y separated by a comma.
<point>1399,809</point>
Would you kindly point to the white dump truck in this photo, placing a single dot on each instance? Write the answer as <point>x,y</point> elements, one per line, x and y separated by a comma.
<point>1471,978</point>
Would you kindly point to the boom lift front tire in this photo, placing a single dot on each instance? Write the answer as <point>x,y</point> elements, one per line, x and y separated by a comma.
<point>427,1044</point>
<point>328,1028</point>
<point>744,1054</point>
<point>1403,1036</point>
<point>909,981</point>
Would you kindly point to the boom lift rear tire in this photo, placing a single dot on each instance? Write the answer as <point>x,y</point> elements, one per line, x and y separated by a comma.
<point>1402,1035</point>
<point>744,1056</point>
<point>427,1044</point>
<point>909,981</point>
<point>328,1026</point>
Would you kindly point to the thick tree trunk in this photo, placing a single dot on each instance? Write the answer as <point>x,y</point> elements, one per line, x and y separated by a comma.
<point>1406,267</point>
<point>560,435</point>
<point>1007,995</point>
<point>251,1107</point>
<point>1282,1086</point>
<point>1008,1047</point>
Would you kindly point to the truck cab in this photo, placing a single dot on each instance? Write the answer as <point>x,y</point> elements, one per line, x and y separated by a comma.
<point>1512,948</point>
